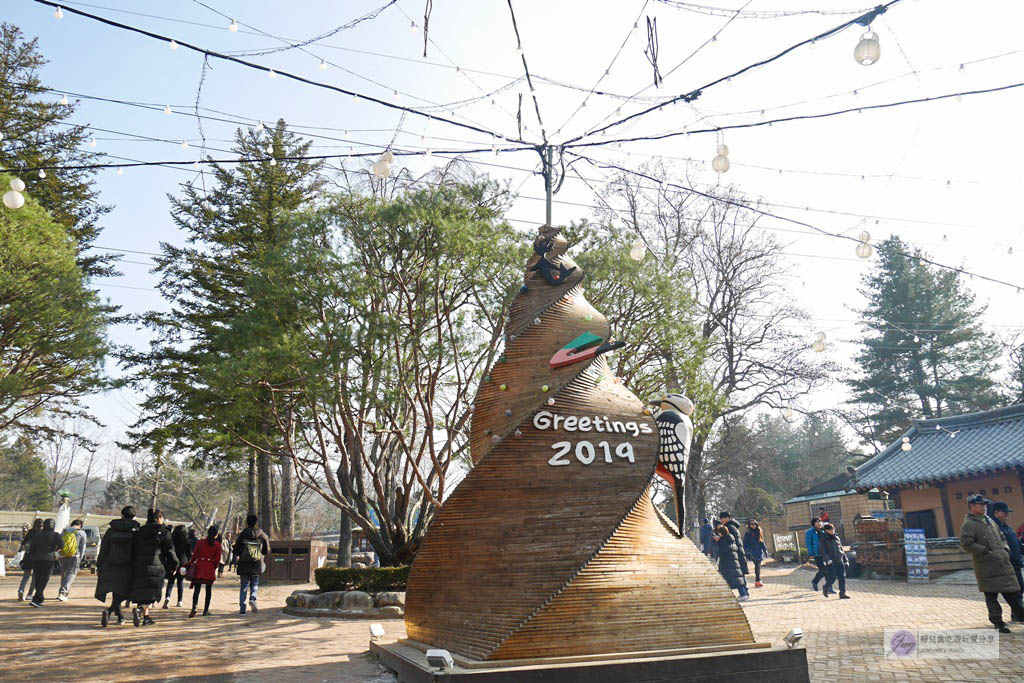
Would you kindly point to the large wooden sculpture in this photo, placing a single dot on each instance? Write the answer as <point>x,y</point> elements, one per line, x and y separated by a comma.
<point>551,546</point>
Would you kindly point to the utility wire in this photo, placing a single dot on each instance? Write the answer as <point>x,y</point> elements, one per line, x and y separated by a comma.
<point>691,96</point>
<point>285,74</point>
<point>526,70</point>
<point>768,214</point>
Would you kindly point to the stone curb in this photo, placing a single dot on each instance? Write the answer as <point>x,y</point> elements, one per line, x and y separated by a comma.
<point>338,613</point>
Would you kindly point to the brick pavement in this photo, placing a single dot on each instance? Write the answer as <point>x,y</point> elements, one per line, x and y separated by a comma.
<point>64,642</point>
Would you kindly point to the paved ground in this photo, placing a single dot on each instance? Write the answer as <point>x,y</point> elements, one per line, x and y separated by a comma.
<point>63,641</point>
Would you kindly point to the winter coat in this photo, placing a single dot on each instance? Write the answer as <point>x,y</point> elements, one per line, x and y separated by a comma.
<point>225,552</point>
<point>734,531</point>
<point>811,538</point>
<point>705,539</point>
<point>832,549</point>
<point>981,538</point>
<point>754,547</point>
<point>114,563</point>
<point>728,561</point>
<point>41,549</point>
<point>152,553</point>
<point>1012,543</point>
<point>205,560</point>
<point>182,551</point>
<point>247,567</point>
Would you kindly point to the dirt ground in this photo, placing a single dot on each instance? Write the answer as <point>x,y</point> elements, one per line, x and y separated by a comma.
<point>63,641</point>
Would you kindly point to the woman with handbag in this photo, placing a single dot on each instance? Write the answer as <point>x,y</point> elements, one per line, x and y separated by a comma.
<point>176,574</point>
<point>202,568</point>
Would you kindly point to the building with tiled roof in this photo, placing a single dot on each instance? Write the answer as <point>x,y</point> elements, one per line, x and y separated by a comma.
<point>933,468</point>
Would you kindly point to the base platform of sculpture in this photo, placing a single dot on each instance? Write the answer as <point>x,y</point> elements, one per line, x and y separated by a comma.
<point>760,663</point>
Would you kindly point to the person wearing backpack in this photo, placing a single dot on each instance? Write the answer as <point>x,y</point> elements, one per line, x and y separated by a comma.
<point>202,569</point>
<point>152,554</point>
<point>114,564</point>
<point>251,546</point>
<point>72,550</point>
<point>42,553</point>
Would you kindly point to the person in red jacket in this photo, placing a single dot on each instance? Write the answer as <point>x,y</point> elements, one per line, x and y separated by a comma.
<point>203,568</point>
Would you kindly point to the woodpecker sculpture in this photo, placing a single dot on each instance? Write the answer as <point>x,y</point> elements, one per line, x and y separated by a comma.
<point>675,431</point>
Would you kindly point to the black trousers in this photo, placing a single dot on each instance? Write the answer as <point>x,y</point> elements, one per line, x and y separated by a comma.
<point>836,570</point>
<point>821,571</point>
<point>41,577</point>
<point>757,570</point>
<point>195,596</point>
<point>995,612</point>
<point>1020,579</point>
<point>115,604</point>
<point>170,584</point>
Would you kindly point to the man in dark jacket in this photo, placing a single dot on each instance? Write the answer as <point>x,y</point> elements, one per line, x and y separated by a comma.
<point>834,559</point>
<point>981,538</point>
<point>251,547</point>
<point>42,554</point>
<point>114,564</point>
<point>1000,513</point>
<point>152,553</point>
<point>734,531</point>
<point>812,541</point>
<point>728,560</point>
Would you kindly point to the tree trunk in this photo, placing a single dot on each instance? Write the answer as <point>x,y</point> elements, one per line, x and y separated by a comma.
<point>694,483</point>
<point>266,490</point>
<point>227,516</point>
<point>287,498</point>
<point>85,482</point>
<point>345,542</point>
<point>156,482</point>
<point>252,484</point>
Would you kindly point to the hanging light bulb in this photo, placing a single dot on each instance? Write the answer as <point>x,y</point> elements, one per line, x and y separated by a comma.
<point>14,199</point>
<point>17,184</point>
<point>273,162</point>
<point>92,142</point>
<point>637,251</point>
<point>413,28</point>
<point>271,74</point>
<point>259,126</point>
<point>917,340</point>
<point>58,14</point>
<point>173,45</point>
<point>388,157</point>
<point>120,171</point>
<point>233,26</point>
<point>720,163</point>
<point>868,50</point>
<point>382,167</point>
<point>906,446</point>
<point>397,95</point>
<point>167,109</point>
<point>184,144</point>
<point>64,100</point>
<point>42,173</point>
<point>519,50</point>
<point>195,164</point>
<point>323,65</point>
<point>864,249</point>
<point>788,413</point>
<point>428,153</point>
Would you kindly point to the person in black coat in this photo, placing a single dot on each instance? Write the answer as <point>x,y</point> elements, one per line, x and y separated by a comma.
<point>734,530</point>
<point>152,553</point>
<point>728,560</point>
<point>42,553</point>
<point>183,551</point>
<point>27,587</point>
<point>835,561</point>
<point>114,564</point>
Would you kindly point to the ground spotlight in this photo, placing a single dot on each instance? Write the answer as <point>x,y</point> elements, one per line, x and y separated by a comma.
<point>440,659</point>
<point>794,636</point>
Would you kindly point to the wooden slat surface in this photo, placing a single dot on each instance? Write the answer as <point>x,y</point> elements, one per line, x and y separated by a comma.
<point>526,559</point>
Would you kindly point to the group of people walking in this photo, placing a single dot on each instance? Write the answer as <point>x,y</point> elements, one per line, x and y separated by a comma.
<point>41,548</point>
<point>995,552</point>
<point>721,543</point>
<point>139,564</point>
<point>825,549</point>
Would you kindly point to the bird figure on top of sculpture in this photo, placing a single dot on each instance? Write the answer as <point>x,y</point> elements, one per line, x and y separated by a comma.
<point>675,432</point>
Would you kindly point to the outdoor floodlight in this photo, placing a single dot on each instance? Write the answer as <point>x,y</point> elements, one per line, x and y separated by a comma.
<point>376,632</point>
<point>440,659</point>
<point>795,635</point>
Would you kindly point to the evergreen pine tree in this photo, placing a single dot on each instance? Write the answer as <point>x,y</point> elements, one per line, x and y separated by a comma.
<point>926,354</point>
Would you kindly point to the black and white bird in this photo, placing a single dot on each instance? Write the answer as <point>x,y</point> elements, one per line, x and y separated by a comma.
<point>675,432</point>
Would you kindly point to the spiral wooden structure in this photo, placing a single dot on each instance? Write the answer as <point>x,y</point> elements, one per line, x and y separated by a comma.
<point>551,546</point>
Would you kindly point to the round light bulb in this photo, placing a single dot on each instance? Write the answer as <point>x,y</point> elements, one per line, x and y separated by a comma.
<point>906,446</point>
<point>637,253</point>
<point>64,100</point>
<point>864,250</point>
<point>17,184</point>
<point>42,173</point>
<point>381,169</point>
<point>551,401</point>
<point>272,74</point>
<point>233,26</point>
<point>818,346</point>
<point>120,171</point>
<point>184,144</point>
<point>14,199</point>
<point>387,157</point>
<point>788,413</point>
<point>722,150</point>
<point>821,336</point>
<point>720,164</point>
<point>58,14</point>
<point>864,236</point>
<point>92,142</point>
<point>428,152</point>
<point>413,28</point>
<point>173,45</point>
<point>273,162</point>
<point>167,109</point>
<point>323,65</point>
<point>917,339</point>
<point>868,50</point>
